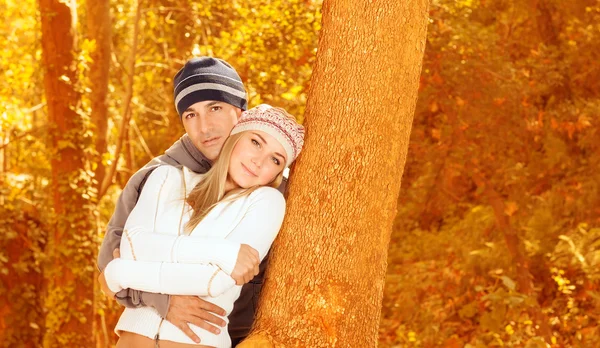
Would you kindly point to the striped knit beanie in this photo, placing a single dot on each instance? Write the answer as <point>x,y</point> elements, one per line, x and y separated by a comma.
<point>207,78</point>
<point>277,123</point>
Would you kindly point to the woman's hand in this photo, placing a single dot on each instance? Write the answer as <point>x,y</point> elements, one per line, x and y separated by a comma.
<point>246,266</point>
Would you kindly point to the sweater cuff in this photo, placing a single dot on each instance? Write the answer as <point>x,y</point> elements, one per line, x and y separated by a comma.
<point>160,302</point>
<point>111,274</point>
<point>220,283</point>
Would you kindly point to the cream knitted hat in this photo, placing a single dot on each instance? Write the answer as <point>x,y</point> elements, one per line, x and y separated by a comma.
<point>277,123</point>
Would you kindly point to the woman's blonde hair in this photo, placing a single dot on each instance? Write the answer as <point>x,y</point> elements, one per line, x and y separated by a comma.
<point>210,191</point>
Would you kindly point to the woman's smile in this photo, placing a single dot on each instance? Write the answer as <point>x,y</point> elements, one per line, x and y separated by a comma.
<point>248,171</point>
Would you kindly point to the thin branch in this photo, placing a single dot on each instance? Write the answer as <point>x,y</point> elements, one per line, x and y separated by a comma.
<point>147,109</point>
<point>127,111</point>
<point>35,108</point>
<point>22,135</point>
<point>142,140</point>
<point>154,64</point>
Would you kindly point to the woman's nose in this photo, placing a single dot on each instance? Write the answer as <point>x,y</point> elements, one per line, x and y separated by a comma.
<point>257,161</point>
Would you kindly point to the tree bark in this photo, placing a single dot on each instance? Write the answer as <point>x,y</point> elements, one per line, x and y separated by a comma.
<point>99,30</point>
<point>327,270</point>
<point>67,272</point>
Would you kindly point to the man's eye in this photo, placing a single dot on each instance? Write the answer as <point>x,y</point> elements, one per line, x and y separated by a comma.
<point>190,115</point>
<point>215,108</point>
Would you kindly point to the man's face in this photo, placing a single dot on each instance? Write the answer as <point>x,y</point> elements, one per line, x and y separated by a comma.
<point>208,124</point>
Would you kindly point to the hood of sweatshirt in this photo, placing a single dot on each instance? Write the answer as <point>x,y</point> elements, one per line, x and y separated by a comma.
<point>184,153</point>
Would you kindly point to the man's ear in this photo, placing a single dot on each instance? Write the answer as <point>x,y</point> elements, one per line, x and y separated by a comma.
<point>239,113</point>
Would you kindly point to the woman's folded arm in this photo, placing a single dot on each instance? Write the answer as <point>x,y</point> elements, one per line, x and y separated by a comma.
<point>167,278</point>
<point>141,241</point>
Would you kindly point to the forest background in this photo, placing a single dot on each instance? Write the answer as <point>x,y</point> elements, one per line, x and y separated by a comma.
<point>497,237</point>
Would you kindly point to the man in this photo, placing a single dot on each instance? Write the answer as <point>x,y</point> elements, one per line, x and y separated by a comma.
<point>209,98</point>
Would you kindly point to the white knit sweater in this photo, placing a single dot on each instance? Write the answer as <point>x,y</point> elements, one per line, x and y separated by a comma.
<point>157,257</point>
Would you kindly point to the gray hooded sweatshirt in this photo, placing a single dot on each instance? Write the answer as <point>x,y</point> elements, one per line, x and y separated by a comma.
<point>182,153</point>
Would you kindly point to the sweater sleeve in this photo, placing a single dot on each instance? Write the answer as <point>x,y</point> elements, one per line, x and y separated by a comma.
<point>167,278</point>
<point>125,204</point>
<point>262,221</point>
<point>258,228</point>
<point>112,238</point>
<point>143,242</point>
<point>134,271</point>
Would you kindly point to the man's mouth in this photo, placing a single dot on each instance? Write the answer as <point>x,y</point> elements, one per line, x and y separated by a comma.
<point>211,141</point>
<point>248,171</point>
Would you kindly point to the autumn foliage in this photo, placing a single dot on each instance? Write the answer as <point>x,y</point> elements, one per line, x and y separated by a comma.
<point>497,236</point>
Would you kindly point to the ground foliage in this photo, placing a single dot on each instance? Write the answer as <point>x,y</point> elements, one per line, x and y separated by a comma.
<point>497,230</point>
<point>497,233</point>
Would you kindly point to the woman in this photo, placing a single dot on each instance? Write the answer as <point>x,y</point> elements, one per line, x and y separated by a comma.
<point>187,231</point>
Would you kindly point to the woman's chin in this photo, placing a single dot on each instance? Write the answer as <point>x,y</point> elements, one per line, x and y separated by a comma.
<point>243,184</point>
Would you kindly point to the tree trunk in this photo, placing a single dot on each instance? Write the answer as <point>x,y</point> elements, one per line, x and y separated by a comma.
<point>327,270</point>
<point>514,246</point>
<point>99,30</point>
<point>68,273</point>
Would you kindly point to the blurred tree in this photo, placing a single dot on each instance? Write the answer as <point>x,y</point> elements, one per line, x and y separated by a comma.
<point>123,138</point>
<point>68,273</point>
<point>23,168</point>
<point>327,270</point>
<point>99,32</point>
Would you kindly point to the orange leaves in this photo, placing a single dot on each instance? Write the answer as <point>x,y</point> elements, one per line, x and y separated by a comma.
<point>510,208</point>
<point>570,127</point>
<point>434,107</point>
<point>437,79</point>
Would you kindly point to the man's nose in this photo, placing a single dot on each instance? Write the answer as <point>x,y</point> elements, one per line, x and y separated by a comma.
<point>204,124</point>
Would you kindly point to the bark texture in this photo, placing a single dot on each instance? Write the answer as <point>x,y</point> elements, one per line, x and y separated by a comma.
<point>327,270</point>
<point>68,274</point>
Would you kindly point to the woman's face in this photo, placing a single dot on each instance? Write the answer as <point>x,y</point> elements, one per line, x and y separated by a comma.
<point>256,160</point>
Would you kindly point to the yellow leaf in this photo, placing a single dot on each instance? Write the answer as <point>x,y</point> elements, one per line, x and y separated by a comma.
<point>510,208</point>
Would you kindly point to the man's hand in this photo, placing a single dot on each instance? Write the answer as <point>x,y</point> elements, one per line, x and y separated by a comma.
<point>104,287</point>
<point>102,279</point>
<point>194,310</point>
<point>246,266</point>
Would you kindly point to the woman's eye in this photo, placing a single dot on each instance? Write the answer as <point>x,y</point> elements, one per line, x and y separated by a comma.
<point>255,142</point>
<point>276,160</point>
